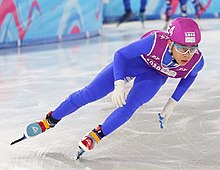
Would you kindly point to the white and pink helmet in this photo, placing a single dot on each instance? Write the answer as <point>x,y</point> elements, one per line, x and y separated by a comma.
<point>184,31</point>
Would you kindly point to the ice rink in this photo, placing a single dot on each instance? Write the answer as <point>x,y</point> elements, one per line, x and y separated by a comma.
<point>35,80</point>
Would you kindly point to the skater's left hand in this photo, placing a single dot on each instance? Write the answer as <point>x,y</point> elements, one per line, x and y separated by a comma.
<point>167,112</point>
<point>119,94</point>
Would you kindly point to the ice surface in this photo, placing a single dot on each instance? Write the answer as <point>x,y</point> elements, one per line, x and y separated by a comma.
<point>34,80</point>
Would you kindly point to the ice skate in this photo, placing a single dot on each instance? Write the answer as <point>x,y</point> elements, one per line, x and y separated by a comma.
<point>141,17</point>
<point>88,142</point>
<point>126,17</point>
<point>38,127</point>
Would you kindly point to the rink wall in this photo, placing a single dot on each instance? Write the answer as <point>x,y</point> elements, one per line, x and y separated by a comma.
<point>114,9</point>
<point>30,22</point>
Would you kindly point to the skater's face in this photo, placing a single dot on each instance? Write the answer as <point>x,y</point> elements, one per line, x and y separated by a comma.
<point>181,53</point>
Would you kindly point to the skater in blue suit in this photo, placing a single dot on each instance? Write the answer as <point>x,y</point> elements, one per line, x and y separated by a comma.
<point>149,61</point>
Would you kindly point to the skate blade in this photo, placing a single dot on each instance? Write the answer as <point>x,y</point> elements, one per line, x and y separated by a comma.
<point>143,25</point>
<point>19,140</point>
<point>79,153</point>
<point>118,24</point>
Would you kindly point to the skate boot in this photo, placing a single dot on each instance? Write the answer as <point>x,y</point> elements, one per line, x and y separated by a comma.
<point>39,127</point>
<point>127,16</point>
<point>88,142</point>
<point>141,17</point>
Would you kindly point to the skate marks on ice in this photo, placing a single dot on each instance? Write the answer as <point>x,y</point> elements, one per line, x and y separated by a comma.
<point>185,143</point>
<point>190,140</point>
<point>25,157</point>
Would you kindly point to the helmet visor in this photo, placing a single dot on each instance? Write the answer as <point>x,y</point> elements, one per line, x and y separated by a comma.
<point>185,49</point>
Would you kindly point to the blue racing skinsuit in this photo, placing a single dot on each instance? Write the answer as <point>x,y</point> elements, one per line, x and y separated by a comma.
<point>128,6</point>
<point>127,63</point>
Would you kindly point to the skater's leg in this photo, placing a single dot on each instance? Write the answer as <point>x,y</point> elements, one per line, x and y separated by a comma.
<point>98,88</point>
<point>145,87</point>
<point>128,12</point>
<point>197,6</point>
<point>127,5</point>
<point>141,12</point>
<point>168,13</point>
<point>183,8</point>
<point>143,6</point>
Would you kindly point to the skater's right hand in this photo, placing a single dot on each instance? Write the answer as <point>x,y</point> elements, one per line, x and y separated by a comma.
<point>119,94</point>
<point>167,112</point>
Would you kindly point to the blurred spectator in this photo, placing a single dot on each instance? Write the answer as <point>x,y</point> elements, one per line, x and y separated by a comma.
<point>197,5</point>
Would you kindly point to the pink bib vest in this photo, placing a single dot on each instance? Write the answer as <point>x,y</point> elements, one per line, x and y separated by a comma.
<point>155,57</point>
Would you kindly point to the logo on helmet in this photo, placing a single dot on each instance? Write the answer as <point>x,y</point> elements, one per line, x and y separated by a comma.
<point>190,37</point>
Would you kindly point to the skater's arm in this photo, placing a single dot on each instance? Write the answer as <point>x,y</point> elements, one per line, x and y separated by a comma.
<point>131,51</point>
<point>184,84</point>
<point>168,109</point>
<point>182,87</point>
